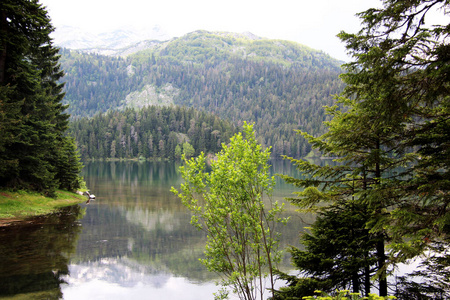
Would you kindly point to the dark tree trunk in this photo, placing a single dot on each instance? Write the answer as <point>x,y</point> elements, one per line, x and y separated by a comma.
<point>4,32</point>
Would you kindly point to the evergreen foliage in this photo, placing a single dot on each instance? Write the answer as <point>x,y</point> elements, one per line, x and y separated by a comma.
<point>345,295</point>
<point>436,286</point>
<point>408,75</point>
<point>280,86</point>
<point>33,121</point>
<point>339,254</point>
<point>391,138</point>
<point>151,132</point>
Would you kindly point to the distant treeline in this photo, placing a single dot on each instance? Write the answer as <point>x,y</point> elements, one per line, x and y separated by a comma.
<point>152,132</point>
<point>278,85</point>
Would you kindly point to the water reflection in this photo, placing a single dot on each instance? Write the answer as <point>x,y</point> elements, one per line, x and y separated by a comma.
<point>135,240</point>
<point>155,241</point>
<point>35,254</point>
<point>137,235</point>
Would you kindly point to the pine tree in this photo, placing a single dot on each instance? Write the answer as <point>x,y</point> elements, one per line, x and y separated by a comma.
<point>32,113</point>
<point>402,59</point>
<point>367,162</point>
<point>391,133</point>
<point>338,254</point>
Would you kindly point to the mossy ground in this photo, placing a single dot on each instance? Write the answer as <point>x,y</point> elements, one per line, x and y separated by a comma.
<point>23,204</point>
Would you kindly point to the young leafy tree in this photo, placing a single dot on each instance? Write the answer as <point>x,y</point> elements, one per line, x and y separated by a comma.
<point>230,203</point>
<point>188,150</point>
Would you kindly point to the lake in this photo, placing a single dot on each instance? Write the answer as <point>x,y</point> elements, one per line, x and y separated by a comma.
<point>134,241</point>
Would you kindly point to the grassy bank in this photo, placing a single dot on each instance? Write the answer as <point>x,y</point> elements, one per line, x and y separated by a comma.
<point>21,204</point>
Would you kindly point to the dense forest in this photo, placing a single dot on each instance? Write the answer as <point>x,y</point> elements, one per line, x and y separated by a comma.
<point>280,86</point>
<point>151,132</point>
<point>35,153</point>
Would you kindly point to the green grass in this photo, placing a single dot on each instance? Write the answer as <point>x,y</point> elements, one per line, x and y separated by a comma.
<point>22,204</point>
<point>40,295</point>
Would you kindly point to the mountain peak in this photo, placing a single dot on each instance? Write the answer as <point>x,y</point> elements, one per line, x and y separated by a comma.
<point>128,40</point>
<point>79,39</point>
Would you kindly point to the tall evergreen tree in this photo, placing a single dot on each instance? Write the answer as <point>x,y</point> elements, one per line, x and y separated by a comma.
<point>392,134</point>
<point>33,119</point>
<point>367,162</point>
<point>338,254</point>
<point>402,59</point>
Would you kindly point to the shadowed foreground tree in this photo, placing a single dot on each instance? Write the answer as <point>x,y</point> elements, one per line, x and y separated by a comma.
<point>402,57</point>
<point>229,203</point>
<point>350,191</point>
<point>32,118</point>
<point>392,134</point>
<point>339,254</point>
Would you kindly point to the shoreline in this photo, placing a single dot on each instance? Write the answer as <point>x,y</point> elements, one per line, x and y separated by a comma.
<point>18,206</point>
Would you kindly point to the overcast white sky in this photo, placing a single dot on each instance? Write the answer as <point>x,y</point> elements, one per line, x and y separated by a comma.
<point>313,23</point>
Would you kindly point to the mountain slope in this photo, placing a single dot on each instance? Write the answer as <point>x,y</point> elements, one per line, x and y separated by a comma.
<point>279,85</point>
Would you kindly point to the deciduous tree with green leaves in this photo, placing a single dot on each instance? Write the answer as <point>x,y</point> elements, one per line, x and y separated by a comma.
<point>232,204</point>
<point>188,150</point>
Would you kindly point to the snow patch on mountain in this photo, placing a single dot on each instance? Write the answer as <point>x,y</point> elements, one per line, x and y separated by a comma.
<point>121,41</point>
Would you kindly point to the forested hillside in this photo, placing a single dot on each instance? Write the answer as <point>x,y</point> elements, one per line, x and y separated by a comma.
<point>279,85</point>
<point>151,132</point>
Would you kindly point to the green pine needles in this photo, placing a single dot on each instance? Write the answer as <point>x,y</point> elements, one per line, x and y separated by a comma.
<point>388,194</point>
<point>35,153</point>
<point>345,295</point>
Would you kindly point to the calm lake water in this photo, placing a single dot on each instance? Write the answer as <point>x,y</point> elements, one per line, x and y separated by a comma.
<point>133,242</point>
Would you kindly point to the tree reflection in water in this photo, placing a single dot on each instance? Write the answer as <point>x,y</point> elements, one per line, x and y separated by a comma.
<point>34,254</point>
<point>136,241</point>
